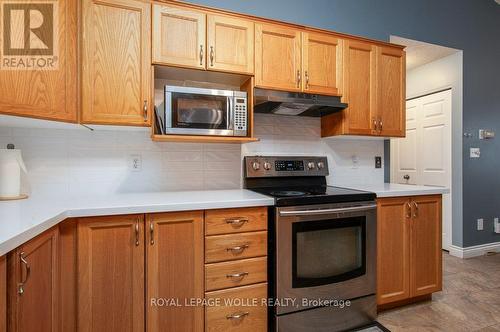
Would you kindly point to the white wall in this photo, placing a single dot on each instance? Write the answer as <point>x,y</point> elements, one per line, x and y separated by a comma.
<point>79,161</point>
<point>437,75</point>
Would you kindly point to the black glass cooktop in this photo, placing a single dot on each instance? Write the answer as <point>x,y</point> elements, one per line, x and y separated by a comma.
<point>304,195</point>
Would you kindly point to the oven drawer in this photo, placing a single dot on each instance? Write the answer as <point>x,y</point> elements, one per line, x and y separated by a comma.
<point>229,247</point>
<point>227,221</point>
<point>235,273</point>
<point>227,317</point>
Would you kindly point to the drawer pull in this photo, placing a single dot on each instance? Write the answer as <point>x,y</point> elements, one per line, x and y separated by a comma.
<point>238,315</point>
<point>28,272</point>
<point>237,275</point>
<point>238,249</point>
<point>236,222</point>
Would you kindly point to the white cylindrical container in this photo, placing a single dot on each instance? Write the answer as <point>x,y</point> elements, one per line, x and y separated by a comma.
<point>11,164</point>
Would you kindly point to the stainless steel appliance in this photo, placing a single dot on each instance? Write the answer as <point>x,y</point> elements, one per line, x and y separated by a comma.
<point>198,111</point>
<point>296,103</point>
<point>322,242</point>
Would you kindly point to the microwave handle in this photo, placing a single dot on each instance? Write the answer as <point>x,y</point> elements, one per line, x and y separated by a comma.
<point>230,113</point>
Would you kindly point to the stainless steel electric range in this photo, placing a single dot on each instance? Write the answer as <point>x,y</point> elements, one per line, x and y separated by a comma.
<point>322,246</point>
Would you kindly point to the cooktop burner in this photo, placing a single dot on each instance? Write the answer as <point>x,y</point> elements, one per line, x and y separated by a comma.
<point>297,181</point>
<point>288,193</point>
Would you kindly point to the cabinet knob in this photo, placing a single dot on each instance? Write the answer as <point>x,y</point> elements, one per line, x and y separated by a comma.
<point>406,177</point>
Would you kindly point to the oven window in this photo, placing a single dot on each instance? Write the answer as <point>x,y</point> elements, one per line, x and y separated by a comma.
<point>328,251</point>
<point>199,111</point>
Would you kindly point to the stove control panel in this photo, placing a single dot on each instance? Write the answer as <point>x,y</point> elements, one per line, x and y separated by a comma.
<point>275,166</point>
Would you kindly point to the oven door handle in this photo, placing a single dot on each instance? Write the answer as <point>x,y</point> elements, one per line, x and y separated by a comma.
<point>328,211</point>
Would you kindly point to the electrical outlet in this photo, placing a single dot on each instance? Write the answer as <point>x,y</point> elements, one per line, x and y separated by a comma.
<point>136,162</point>
<point>355,161</point>
<point>378,162</point>
<point>480,224</point>
<point>496,225</point>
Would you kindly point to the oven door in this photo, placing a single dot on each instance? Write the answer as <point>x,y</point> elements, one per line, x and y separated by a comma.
<point>197,111</point>
<point>325,252</point>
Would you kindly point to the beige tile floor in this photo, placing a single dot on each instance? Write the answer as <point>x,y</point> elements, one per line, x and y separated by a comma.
<point>470,300</point>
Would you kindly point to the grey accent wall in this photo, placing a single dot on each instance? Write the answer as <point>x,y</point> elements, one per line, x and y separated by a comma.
<point>470,25</point>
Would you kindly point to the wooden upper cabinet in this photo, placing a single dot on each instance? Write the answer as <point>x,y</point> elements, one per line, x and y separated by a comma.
<point>278,59</point>
<point>426,235</point>
<point>230,44</point>
<point>391,91</point>
<point>393,249</point>
<point>34,283</point>
<point>322,63</point>
<point>359,92</point>
<point>116,64</point>
<point>49,93</point>
<point>175,270</point>
<point>110,260</point>
<point>179,36</point>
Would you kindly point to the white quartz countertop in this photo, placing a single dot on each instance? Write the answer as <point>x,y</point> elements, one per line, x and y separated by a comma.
<point>22,220</point>
<point>396,189</point>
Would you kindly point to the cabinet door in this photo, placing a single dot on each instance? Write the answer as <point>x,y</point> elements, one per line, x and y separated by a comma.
<point>426,259</point>
<point>116,62</point>
<point>359,87</point>
<point>322,63</point>
<point>393,249</point>
<point>50,92</point>
<point>230,44</point>
<point>111,273</point>
<point>391,91</point>
<point>174,249</point>
<point>178,36</point>
<point>33,293</point>
<point>277,57</point>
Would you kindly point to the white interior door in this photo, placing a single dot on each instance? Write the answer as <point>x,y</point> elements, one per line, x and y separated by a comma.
<point>423,157</point>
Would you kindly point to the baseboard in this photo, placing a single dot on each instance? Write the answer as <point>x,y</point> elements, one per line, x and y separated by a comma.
<point>474,251</point>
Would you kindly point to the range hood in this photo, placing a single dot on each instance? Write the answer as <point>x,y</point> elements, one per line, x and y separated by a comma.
<point>295,103</point>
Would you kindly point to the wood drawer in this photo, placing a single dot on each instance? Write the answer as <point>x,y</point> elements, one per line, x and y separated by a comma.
<point>254,318</point>
<point>218,247</point>
<point>227,221</point>
<point>218,275</point>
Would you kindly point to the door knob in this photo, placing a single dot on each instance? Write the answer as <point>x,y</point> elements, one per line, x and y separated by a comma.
<point>406,177</point>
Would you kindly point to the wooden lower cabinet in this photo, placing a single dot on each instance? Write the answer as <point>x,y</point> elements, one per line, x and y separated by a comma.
<point>111,274</point>
<point>241,309</point>
<point>174,258</point>
<point>409,261</point>
<point>33,285</point>
<point>3,293</point>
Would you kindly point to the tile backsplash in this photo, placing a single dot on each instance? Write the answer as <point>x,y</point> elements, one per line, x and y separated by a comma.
<point>80,161</point>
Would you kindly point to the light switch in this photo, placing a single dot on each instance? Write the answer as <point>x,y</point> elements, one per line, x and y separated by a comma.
<point>475,152</point>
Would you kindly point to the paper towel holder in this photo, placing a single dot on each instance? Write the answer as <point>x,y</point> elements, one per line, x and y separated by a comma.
<point>11,146</point>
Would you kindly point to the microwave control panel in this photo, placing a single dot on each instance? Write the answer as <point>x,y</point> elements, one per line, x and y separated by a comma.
<point>240,116</point>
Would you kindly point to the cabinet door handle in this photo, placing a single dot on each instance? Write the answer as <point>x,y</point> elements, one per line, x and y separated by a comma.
<point>237,275</point>
<point>211,56</point>
<point>238,315</point>
<point>137,232</point>
<point>415,213</point>
<point>145,110</point>
<point>238,249</point>
<point>28,272</point>
<point>236,222</point>
<point>408,210</point>
<point>380,124</point>
<point>201,55</point>
<point>306,74</point>
<point>298,78</point>
<point>375,124</point>
<point>151,233</point>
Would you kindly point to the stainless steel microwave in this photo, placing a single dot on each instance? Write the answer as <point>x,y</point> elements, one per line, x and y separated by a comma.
<point>198,111</point>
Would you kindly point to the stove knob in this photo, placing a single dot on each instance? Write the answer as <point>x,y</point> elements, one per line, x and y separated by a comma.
<point>311,165</point>
<point>255,166</point>
<point>321,165</point>
<point>267,166</point>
